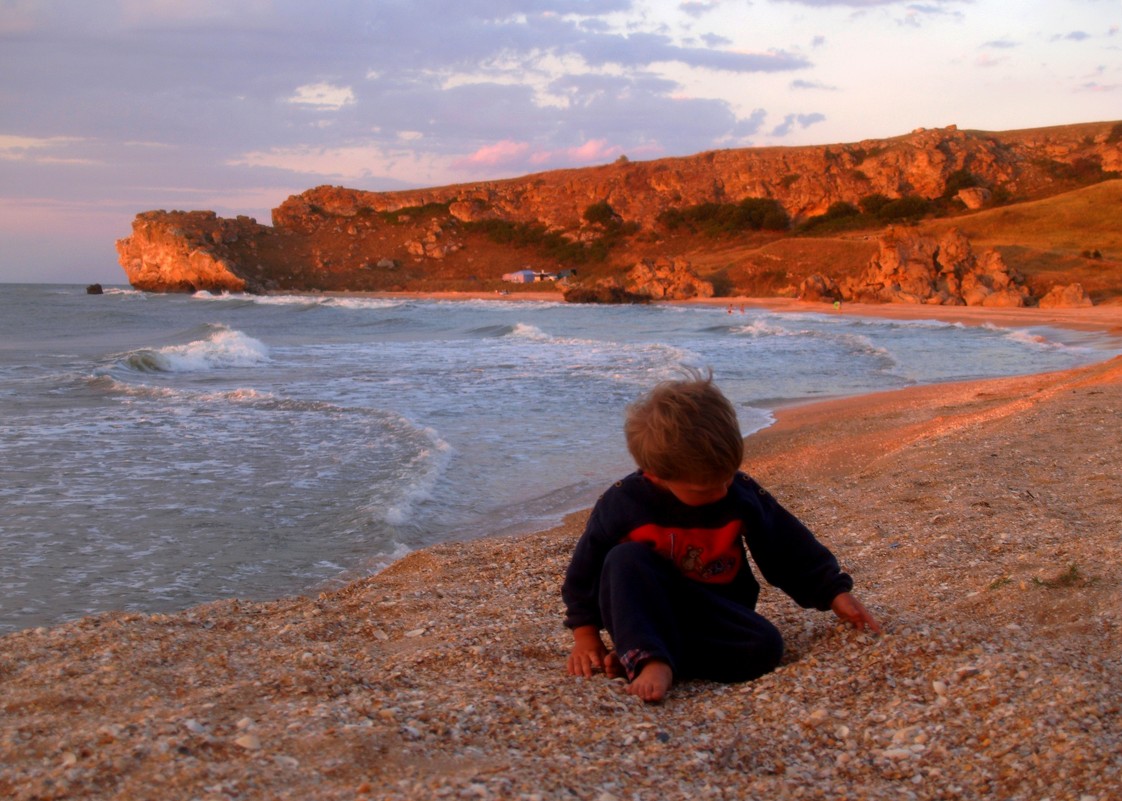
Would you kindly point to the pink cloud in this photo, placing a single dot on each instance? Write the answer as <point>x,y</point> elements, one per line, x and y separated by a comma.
<point>509,155</point>
<point>501,153</point>
<point>592,151</point>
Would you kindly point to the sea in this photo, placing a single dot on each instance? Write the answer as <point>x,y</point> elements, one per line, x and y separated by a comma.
<point>159,451</point>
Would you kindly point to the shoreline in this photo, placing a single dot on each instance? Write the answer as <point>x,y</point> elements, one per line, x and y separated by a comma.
<point>1106,319</point>
<point>979,519</point>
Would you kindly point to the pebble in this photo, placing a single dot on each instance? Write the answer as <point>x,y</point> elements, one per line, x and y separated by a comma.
<point>250,742</point>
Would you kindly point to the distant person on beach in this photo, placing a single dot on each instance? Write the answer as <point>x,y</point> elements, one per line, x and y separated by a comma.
<point>663,562</point>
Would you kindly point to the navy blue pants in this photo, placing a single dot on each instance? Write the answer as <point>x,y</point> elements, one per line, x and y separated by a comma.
<point>652,611</point>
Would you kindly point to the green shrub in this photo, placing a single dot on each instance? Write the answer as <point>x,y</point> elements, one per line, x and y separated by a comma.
<point>840,216</point>
<point>550,244</point>
<point>601,214</point>
<point>872,204</point>
<point>723,219</point>
<point>426,211</point>
<point>959,180</point>
<point>909,207</point>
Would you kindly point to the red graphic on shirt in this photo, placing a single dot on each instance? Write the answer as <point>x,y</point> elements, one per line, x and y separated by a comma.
<point>711,555</point>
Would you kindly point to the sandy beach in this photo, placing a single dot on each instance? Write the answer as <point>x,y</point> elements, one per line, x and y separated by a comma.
<point>981,522</point>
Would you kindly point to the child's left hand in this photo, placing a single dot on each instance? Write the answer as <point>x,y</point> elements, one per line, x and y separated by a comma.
<point>852,611</point>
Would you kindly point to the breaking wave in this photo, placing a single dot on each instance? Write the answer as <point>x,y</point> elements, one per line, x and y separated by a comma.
<point>223,348</point>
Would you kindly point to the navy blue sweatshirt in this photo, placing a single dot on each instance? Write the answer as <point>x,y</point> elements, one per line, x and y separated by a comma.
<point>707,543</point>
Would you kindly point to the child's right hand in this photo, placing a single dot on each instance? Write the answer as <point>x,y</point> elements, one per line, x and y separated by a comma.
<point>588,655</point>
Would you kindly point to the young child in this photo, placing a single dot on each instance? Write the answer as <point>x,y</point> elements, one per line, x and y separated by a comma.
<point>662,563</point>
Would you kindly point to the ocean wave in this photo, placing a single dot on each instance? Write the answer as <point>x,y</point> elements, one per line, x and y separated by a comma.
<point>527,331</point>
<point>492,331</point>
<point>764,328</point>
<point>222,348</point>
<point>422,473</point>
<point>301,302</point>
<point>1023,336</point>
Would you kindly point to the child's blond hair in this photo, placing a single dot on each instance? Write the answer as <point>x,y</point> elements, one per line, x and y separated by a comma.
<point>685,430</point>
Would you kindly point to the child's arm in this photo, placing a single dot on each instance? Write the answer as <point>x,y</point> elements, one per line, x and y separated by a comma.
<point>588,654</point>
<point>852,611</point>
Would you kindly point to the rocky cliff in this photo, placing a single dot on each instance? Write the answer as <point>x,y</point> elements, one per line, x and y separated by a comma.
<point>338,238</point>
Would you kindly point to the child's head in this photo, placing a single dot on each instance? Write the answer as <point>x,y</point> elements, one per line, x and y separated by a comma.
<point>685,431</point>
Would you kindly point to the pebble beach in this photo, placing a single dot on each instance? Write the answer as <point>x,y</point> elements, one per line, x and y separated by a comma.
<point>981,522</point>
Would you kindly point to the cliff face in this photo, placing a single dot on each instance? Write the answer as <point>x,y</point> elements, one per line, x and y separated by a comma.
<point>187,251</point>
<point>332,237</point>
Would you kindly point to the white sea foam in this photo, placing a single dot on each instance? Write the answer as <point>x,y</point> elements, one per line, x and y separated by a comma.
<point>1026,337</point>
<point>424,474</point>
<point>224,348</point>
<point>764,328</point>
<point>527,331</point>
<point>307,301</point>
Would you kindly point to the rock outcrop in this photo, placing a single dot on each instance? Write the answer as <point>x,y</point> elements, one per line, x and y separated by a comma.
<point>818,288</point>
<point>186,252</point>
<point>336,238</point>
<point>1065,297</point>
<point>667,279</point>
<point>910,268</point>
<point>805,180</point>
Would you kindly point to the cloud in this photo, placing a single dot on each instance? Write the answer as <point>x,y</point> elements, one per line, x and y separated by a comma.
<point>645,49</point>
<point>698,8</point>
<point>1001,44</point>
<point>322,96</point>
<point>1073,36</point>
<point>715,40</point>
<point>594,151</point>
<point>51,150</point>
<point>1095,86</point>
<point>986,60</point>
<point>801,84</point>
<point>856,3</point>
<point>499,154</point>
<point>791,120</point>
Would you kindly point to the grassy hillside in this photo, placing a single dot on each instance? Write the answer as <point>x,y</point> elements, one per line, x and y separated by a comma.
<point>1050,240</point>
<point>1067,238</point>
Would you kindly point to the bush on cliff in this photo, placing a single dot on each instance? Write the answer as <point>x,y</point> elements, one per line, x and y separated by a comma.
<point>601,214</point>
<point>840,216</point>
<point>724,219</point>
<point>959,180</point>
<point>550,244</point>
<point>909,207</point>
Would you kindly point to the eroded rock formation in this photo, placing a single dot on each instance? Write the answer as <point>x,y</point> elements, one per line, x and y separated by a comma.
<point>337,238</point>
<point>667,279</point>
<point>187,251</point>
<point>911,268</point>
<point>1070,296</point>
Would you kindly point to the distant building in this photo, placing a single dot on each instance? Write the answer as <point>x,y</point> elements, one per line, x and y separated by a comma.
<point>520,277</point>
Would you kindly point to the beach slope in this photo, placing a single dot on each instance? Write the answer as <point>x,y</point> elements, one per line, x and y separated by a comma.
<point>981,523</point>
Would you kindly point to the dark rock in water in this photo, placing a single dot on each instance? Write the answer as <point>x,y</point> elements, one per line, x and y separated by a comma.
<point>603,294</point>
<point>95,289</point>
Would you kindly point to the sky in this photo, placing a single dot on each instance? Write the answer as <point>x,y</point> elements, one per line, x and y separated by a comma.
<point>113,107</point>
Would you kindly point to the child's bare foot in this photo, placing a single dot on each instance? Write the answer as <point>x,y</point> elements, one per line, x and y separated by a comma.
<point>613,668</point>
<point>653,681</point>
